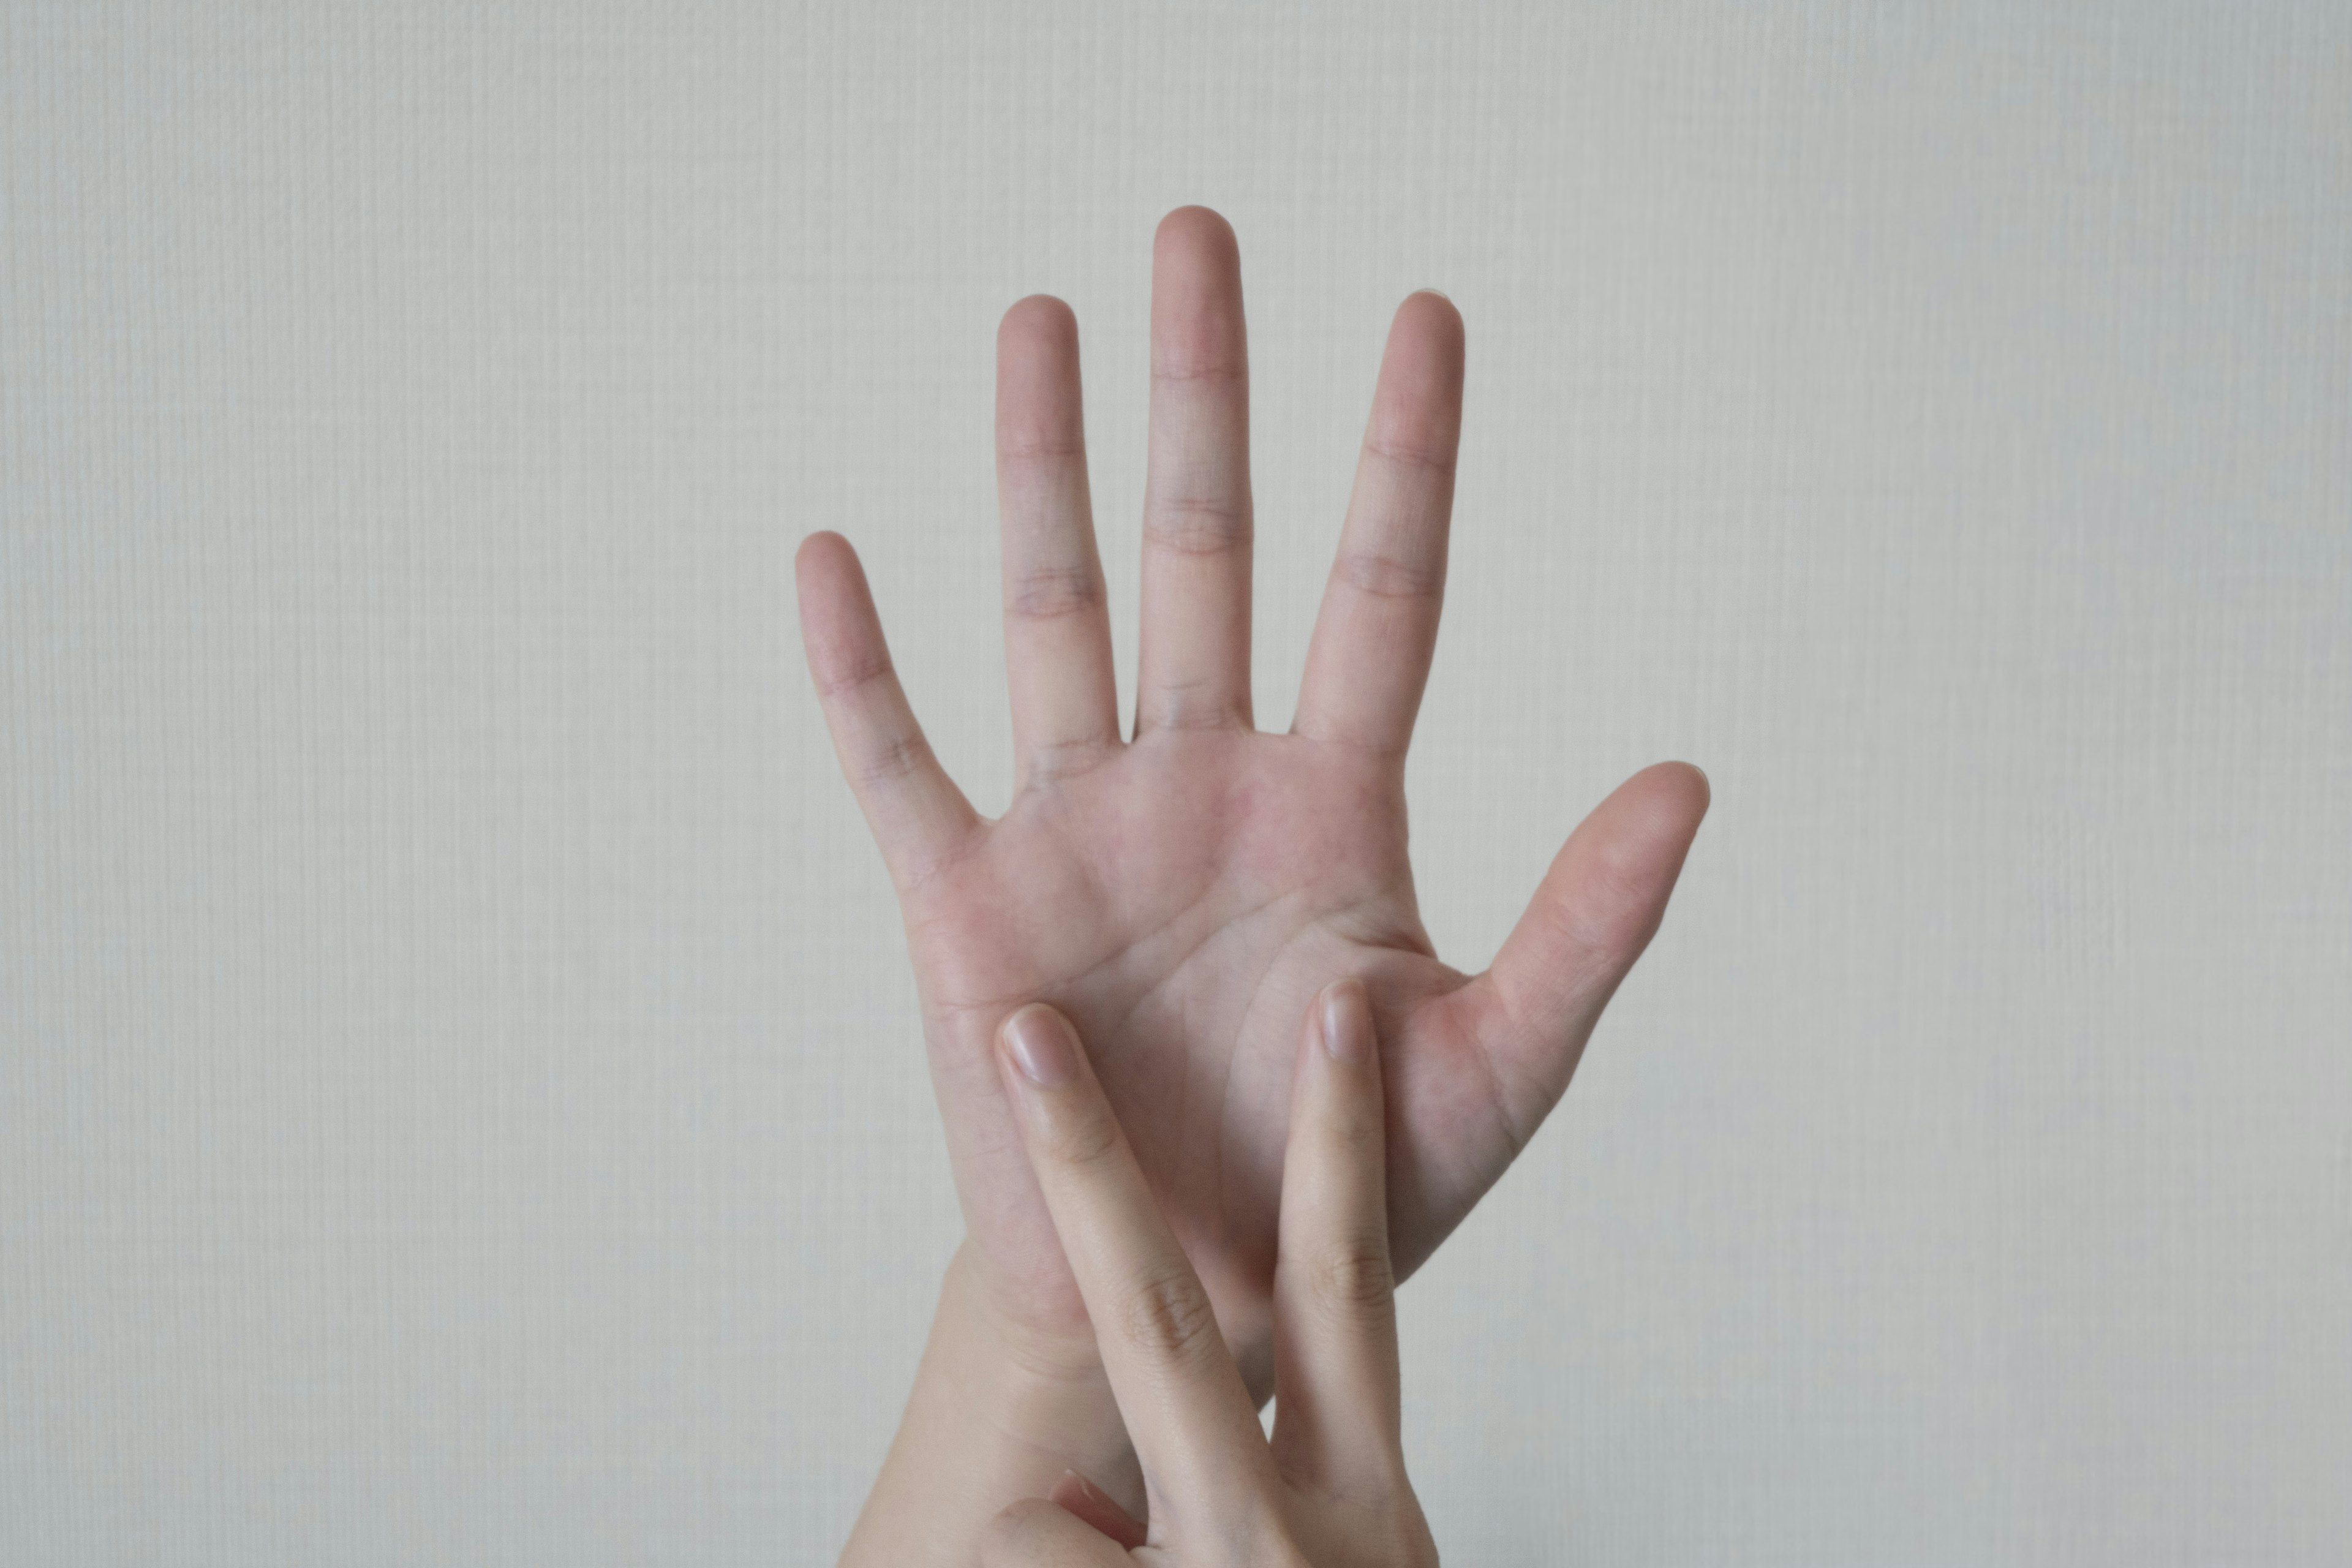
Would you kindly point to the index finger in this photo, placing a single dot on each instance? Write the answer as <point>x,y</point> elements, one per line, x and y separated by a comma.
<point>1195,1427</point>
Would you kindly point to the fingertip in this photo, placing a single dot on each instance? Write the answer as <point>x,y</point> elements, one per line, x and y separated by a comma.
<point>839,629</point>
<point>830,582</point>
<point>1197,328</point>
<point>1433,314</point>
<point>1037,317</point>
<point>1417,404</point>
<point>1666,802</point>
<point>1695,781</point>
<point>823,550</point>
<point>1623,861</point>
<point>1039,414</point>
<point>1196,229</point>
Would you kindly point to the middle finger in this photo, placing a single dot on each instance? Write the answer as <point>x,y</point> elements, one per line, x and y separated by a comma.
<point>1194,668</point>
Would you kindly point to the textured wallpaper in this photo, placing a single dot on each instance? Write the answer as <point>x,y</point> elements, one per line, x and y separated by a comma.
<point>461,1099</point>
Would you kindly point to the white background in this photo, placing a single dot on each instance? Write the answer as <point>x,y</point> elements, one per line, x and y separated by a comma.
<point>460,1095</point>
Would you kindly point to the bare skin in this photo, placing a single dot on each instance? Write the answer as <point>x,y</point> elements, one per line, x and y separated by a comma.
<point>1329,1488</point>
<point>1182,891</point>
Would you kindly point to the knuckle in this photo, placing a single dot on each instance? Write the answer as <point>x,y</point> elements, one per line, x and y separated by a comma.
<point>1356,1133</point>
<point>1353,1277</point>
<point>1602,929</point>
<point>1197,524</point>
<point>852,674</point>
<point>1050,592</point>
<point>1203,704</point>
<point>1385,577</point>
<point>1406,454</point>
<point>892,759</point>
<point>1168,1317</point>
<point>1051,762</point>
<point>1087,1141</point>
<point>1201,370</point>
<point>1046,449</point>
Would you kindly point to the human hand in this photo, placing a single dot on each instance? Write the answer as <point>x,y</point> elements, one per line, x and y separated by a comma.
<point>1181,895</point>
<point>1331,1487</point>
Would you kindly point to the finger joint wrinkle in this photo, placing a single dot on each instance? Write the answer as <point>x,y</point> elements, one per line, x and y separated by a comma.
<point>854,674</point>
<point>1384,576</point>
<point>1049,451</point>
<point>1353,1277</point>
<point>1197,525</point>
<point>1406,456</point>
<point>1180,372</point>
<point>1089,1141</point>
<point>892,759</point>
<point>1169,1316</point>
<point>1050,592</point>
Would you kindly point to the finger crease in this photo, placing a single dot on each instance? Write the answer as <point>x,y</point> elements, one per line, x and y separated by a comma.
<point>1050,592</point>
<point>860,672</point>
<point>1390,576</point>
<point>1169,1315</point>
<point>1208,370</point>
<point>1409,457</point>
<point>1197,525</point>
<point>1047,449</point>
<point>892,759</point>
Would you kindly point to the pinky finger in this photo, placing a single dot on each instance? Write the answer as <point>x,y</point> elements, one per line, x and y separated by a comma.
<point>917,812</point>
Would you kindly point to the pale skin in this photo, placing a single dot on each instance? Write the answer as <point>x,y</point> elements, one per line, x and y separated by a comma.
<point>1181,890</point>
<point>1328,1488</point>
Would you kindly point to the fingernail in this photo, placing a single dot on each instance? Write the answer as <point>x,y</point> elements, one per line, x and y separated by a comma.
<point>1347,1021</point>
<point>1043,1046</point>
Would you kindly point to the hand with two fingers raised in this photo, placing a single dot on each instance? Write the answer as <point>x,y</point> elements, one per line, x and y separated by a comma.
<point>1329,1488</point>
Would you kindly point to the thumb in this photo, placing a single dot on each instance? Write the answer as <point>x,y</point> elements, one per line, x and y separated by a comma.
<point>1593,915</point>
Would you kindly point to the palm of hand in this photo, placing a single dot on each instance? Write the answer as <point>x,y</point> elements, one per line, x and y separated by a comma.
<point>1182,902</point>
<point>1182,896</point>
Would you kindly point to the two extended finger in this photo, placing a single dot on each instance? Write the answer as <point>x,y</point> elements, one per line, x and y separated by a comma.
<point>1195,1427</point>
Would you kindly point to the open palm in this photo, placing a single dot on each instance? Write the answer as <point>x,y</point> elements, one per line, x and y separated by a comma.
<point>1182,894</point>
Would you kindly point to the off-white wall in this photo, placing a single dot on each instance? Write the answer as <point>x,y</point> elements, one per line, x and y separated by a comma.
<point>460,1099</point>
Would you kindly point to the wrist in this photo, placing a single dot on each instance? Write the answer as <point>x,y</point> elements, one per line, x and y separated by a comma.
<point>999,1411</point>
<point>1029,1389</point>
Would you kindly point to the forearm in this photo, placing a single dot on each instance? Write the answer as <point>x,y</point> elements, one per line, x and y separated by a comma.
<point>992,1419</point>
